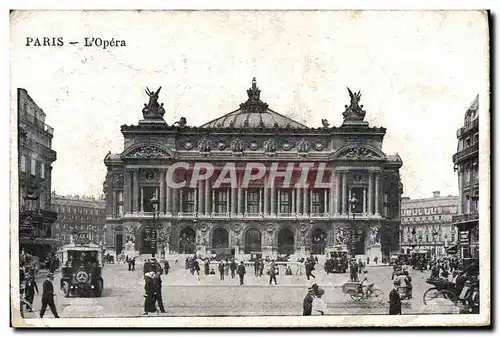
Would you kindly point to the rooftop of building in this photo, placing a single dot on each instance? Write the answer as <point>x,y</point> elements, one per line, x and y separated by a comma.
<point>77,199</point>
<point>472,112</point>
<point>436,200</point>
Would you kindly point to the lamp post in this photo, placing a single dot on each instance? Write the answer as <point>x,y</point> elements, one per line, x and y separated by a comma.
<point>352,207</point>
<point>154,202</point>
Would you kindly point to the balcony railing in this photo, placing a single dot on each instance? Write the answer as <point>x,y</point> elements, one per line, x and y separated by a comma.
<point>469,126</point>
<point>473,149</point>
<point>40,148</point>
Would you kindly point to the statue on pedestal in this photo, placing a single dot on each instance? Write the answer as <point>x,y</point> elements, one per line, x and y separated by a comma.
<point>153,110</point>
<point>354,112</point>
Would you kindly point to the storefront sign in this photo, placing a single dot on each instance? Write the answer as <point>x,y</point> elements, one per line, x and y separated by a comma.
<point>464,237</point>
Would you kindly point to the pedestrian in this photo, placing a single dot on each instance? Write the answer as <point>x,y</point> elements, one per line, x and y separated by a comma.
<point>166,266</point>
<point>309,268</point>
<point>395,299</point>
<point>318,304</point>
<point>48,296</point>
<point>272,273</point>
<point>29,291</point>
<point>149,293</point>
<point>207,267</point>
<point>158,295</point>
<point>409,285</point>
<point>226,268</point>
<point>241,271</point>
<point>196,267</point>
<point>221,270</point>
<point>133,263</point>
<point>261,267</point>
<point>367,260</point>
<point>354,271</point>
<point>375,259</point>
<point>233,268</point>
<point>308,299</point>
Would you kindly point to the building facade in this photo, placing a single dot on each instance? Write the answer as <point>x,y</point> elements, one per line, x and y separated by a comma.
<point>426,224</point>
<point>466,164</point>
<point>343,190</point>
<point>35,171</point>
<point>79,217</point>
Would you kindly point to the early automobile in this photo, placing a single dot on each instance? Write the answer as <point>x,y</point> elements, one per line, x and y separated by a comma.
<point>81,271</point>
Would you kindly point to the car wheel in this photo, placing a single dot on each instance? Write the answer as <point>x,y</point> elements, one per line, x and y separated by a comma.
<point>98,289</point>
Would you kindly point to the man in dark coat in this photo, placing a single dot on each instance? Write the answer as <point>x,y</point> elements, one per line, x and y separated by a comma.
<point>395,300</point>
<point>241,271</point>
<point>207,267</point>
<point>256,267</point>
<point>29,291</point>
<point>158,296</point>
<point>150,293</point>
<point>272,273</point>
<point>307,304</point>
<point>309,268</point>
<point>233,268</point>
<point>133,263</point>
<point>354,271</point>
<point>48,296</point>
<point>221,270</point>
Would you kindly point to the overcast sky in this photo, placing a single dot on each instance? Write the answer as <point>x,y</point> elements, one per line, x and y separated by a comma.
<point>418,73</point>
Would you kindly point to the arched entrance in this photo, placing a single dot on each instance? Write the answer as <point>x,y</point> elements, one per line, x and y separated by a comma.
<point>253,241</point>
<point>187,243</point>
<point>286,241</point>
<point>220,238</point>
<point>318,241</point>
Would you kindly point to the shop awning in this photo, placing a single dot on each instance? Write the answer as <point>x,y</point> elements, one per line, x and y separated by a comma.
<point>452,249</point>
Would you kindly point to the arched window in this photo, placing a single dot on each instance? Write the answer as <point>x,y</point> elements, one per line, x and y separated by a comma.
<point>220,238</point>
<point>187,244</point>
<point>286,241</point>
<point>253,241</point>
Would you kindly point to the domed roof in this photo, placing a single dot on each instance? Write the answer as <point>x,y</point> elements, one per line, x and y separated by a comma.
<point>254,114</point>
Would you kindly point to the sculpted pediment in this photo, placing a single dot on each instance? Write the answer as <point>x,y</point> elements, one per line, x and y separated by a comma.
<point>359,153</point>
<point>147,151</point>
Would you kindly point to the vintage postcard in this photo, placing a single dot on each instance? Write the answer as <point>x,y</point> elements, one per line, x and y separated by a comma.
<point>249,168</point>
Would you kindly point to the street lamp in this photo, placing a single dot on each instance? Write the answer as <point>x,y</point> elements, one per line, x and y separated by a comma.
<point>154,202</point>
<point>352,206</point>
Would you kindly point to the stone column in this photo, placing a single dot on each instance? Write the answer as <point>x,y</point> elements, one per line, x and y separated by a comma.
<point>370,193</point>
<point>293,201</point>
<point>240,199</point>
<point>135,198</point>
<point>180,201</point>
<point>233,201</point>
<point>304,209</point>
<point>338,189</point>
<point>162,191</point>
<point>299,201</point>
<point>246,201</point>
<point>127,191</point>
<point>344,193</point>
<point>168,199</point>
<point>142,201</point>
<point>266,197</point>
<point>278,202</point>
<point>364,200</point>
<point>227,201</point>
<point>377,193</point>
<point>195,208</point>
<point>327,204</point>
<point>207,197</point>
<point>201,194</point>
<point>213,201</point>
<point>273,200</point>
<point>260,202</point>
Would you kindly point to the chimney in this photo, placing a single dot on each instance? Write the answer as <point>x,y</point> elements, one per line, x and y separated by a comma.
<point>435,194</point>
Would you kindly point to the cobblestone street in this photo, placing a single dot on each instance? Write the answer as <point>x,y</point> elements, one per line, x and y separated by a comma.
<point>188,295</point>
